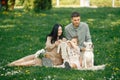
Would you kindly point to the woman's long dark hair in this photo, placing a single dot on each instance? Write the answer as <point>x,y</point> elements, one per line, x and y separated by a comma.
<point>54,33</point>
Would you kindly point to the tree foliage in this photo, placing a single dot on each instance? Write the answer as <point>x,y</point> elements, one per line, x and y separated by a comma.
<point>37,5</point>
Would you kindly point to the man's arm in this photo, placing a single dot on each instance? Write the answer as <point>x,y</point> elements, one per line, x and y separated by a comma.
<point>67,34</point>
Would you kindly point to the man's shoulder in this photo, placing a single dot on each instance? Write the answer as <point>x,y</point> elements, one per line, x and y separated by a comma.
<point>84,24</point>
<point>68,26</point>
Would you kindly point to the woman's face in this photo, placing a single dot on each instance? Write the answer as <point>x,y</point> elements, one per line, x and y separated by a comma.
<point>59,31</point>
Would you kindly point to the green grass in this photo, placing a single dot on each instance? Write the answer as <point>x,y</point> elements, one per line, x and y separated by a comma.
<point>23,33</point>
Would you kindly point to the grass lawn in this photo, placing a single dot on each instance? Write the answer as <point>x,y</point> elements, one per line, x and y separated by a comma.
<point>23,33</point>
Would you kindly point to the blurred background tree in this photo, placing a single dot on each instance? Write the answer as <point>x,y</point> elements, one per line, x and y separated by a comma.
<point>42,5</point>
<point>4,4</point>
<point>35,5</point>
<point>11,4</point>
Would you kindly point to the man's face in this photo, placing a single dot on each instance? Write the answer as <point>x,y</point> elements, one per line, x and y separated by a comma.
<point>76,21</point>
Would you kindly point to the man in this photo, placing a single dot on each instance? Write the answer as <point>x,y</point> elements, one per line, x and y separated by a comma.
<point>77,28</point>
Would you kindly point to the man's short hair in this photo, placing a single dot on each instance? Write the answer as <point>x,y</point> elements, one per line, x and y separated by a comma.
<point>75,14</point>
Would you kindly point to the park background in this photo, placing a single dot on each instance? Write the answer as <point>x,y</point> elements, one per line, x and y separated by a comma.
<point>23,32</point>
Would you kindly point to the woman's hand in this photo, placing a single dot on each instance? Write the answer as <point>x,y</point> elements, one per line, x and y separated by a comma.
<point>57,42</point>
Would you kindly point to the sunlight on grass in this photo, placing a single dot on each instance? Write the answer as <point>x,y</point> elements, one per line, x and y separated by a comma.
<point>17,14</point>
<point>115,23</point>
<point>5,13</point>
<point>7,26</point>
<point>90,21</point>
